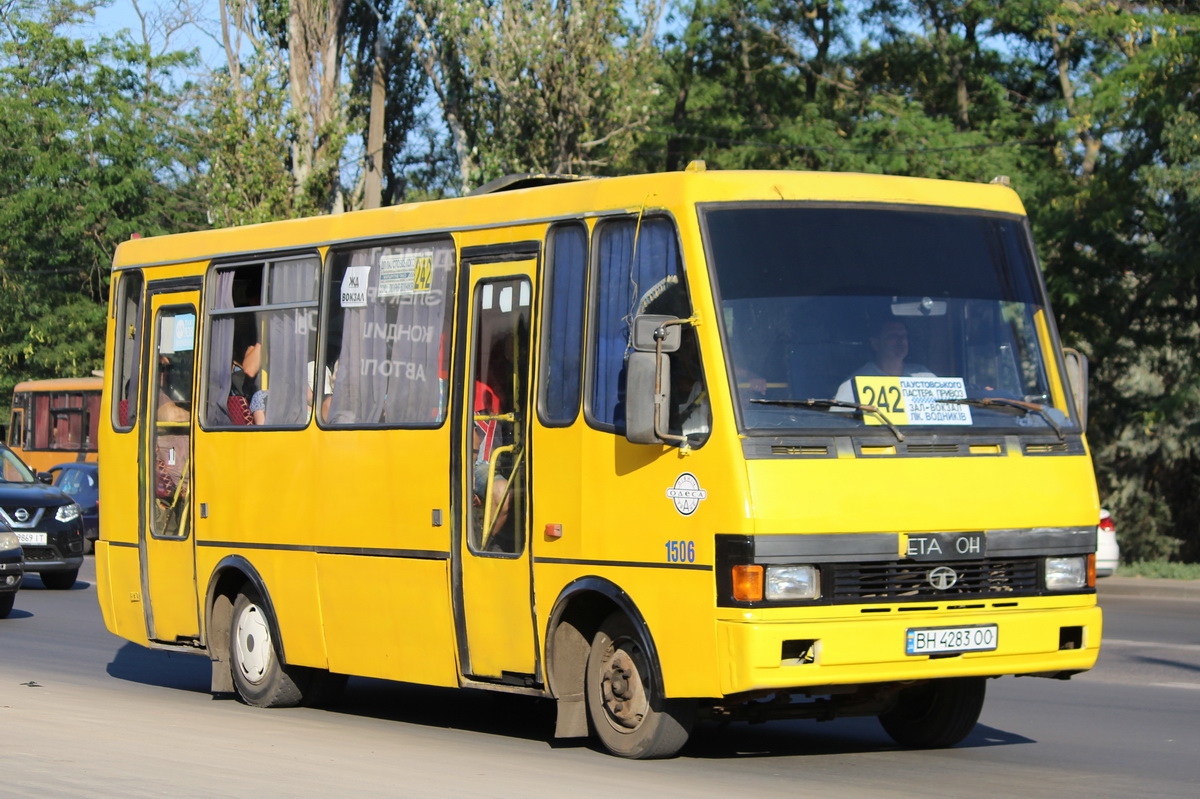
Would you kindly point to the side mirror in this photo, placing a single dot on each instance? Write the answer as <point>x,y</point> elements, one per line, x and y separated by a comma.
<point>1077,376</point>
<point>646,326</point>
<point>643,401</point>
<point>46,477</point>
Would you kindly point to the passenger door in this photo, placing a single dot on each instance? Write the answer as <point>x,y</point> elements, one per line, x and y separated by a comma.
<point>497,639</point>
<point>166,529</point>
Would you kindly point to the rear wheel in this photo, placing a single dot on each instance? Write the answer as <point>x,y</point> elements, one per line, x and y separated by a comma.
<point>629,713</point>
<point>59,581</point>
<point>261,680</point>
<point>6,603</point>
<point>935,714</point>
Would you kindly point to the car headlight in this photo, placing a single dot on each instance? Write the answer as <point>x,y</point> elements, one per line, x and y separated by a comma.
<point>9,541</point>
<point>1063,574</point>
<point>784,583</point>
<point>67,513</point>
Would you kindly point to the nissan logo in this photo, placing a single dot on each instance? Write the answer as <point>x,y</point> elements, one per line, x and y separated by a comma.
<point>942,578</point>
<point>21,515</point>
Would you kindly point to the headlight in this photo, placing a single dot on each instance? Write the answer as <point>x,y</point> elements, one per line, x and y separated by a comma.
<point>9,541</point>
<point>67,513</point>
<point>792,582</point>
<point>1063,574</point>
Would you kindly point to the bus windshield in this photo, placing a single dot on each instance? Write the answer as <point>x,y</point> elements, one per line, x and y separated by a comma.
<point>850,316</point>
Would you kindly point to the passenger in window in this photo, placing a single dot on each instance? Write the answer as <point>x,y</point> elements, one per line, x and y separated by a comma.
<point>327,395</point>
<point>247,400</point>
<point>491,400</point>
<point>168,409</point>
<point>890,348</point>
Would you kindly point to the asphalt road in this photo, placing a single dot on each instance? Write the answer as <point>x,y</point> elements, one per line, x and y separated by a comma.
<point>85,714</point>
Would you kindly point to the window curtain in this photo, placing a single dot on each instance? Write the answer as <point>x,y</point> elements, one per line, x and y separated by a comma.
<point>564,325</point>
<point>290,343</point>
<point>628,280</point>
<point>220,355</point>
<point>413,392</point>
<point>360,385</point>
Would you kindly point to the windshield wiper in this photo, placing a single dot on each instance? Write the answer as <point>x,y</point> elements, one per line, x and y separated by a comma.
<point>827,404</point>
<point>1009,406</point>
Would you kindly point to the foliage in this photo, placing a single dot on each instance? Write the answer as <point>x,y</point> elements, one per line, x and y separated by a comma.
<point>538,85</point>
<point>89,157</point>
<point>1161,569</point>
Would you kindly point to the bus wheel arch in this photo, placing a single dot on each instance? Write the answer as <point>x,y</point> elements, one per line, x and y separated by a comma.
<point>590,615</point>
<point>236,591</point>
<point>227,580</point>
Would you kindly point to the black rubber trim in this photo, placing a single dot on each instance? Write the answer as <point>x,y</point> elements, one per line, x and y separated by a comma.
<point>633,564</point>
<point>373,552</point>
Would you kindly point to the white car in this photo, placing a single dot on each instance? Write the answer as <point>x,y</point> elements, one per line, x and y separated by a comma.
<point>1108,553</point>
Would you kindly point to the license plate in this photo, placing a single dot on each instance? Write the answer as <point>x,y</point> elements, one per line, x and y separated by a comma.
<point>32,538</point>
<point>943,640</point>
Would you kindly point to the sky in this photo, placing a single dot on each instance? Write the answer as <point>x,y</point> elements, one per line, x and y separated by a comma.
<point>120,15</point>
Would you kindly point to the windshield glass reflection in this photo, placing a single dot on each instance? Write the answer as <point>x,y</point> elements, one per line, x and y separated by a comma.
<point>902,312</point>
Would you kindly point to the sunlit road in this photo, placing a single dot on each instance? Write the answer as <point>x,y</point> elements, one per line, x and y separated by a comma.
<point>84,713</point>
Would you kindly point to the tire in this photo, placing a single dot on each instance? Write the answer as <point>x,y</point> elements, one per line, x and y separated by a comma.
<point>629,714</point>
<point>260,678</point>
<point>59,581</point>
<point>6,603</point>
<point>937,714</point>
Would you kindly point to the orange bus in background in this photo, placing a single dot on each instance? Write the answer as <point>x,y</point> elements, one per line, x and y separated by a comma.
<point>53,421</point>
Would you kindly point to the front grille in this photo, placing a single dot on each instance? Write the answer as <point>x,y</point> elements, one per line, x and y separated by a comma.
<point>896,580</point>
<point>807,450</point>
<point>39,553</point>
<point>933,449</point>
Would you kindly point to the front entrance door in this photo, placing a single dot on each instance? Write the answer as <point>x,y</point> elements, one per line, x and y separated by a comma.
<point>165,538</point>
<point>496,599</point>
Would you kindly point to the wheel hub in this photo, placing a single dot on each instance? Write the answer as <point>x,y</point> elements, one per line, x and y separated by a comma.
<point>253,639</point>
<point>621,686</point>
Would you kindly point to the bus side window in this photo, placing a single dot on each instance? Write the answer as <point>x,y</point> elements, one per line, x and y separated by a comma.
<point>127,350</point>
<point>389,324</point>
<point>562,332</point>
<point>262,343</point>
<point>639,271</point>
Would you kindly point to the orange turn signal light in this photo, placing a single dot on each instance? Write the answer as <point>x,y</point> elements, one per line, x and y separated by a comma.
<point>748,583</point>
<point>1091,570</point>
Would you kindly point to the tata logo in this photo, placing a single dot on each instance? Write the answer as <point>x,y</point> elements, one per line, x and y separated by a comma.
<point>942,578</point>
<point>21,515</point>
<point>686,493</point>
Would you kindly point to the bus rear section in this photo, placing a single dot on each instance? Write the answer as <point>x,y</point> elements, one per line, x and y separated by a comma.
<point>55,421</point>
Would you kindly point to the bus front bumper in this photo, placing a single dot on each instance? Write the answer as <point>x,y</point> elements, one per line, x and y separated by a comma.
<point>763,655</point>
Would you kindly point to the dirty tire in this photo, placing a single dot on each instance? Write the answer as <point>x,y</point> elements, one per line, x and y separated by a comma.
<point>259,677</point>
<point>629,714</point>
<point>936,714</point>
<point>59,581</point>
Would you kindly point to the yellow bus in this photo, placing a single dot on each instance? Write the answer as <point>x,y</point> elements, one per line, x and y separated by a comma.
<point>54,421</point>
<point>704,445</point>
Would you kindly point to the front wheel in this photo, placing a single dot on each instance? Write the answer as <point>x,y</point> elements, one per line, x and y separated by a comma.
<point>629,713</point>
<point>935,714</point>
<point>260,679</point>
<point>59,581</point>
<point>6,603</point>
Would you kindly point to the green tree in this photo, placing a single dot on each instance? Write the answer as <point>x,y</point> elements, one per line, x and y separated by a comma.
<point>539,85</point>
<point>88,157</point>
